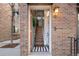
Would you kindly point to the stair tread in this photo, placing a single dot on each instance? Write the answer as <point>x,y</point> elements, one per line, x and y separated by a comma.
<point>39,36</point>
<point>40,49</point>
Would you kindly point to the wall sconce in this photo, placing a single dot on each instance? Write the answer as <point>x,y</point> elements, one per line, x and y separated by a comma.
<point>56,11</point>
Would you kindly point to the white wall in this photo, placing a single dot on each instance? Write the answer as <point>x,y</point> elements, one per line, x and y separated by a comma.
<point>46,27</point>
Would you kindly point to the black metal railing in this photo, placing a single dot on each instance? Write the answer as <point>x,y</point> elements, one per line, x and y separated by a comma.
<point>73,46</point>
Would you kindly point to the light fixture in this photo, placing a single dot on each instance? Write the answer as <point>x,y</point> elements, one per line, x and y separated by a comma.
<point>56,11</point>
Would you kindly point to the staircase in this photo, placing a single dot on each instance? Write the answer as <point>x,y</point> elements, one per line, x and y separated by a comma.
<point>40,49</point>
<point>39,37</point>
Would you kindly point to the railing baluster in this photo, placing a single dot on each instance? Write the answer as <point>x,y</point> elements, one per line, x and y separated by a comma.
<point>70,45</point>
<point>75,45</point>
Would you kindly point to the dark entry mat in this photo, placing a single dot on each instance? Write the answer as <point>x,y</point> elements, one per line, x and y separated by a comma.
<point>10,45</point>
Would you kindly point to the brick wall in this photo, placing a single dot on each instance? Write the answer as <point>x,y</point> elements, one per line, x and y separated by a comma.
<point>5,22</point>
<point>23,29</point>
<point>67,20</point>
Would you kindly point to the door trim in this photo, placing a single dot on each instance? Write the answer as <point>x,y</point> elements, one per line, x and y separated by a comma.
<point>39,7</point>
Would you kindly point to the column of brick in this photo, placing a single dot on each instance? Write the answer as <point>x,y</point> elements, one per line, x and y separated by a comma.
<point>23,29</point>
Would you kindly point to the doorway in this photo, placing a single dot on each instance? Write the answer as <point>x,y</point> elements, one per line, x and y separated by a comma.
<point>39,29</point>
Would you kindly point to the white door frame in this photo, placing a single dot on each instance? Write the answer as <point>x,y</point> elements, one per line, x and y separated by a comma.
<point>38,7</point>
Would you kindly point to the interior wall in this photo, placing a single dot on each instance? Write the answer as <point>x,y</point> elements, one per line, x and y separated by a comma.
<point>46,27</point>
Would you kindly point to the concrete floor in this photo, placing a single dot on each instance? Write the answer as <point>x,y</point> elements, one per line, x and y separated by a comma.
<point>16,51</point>
<point>40,54</point>
<point>77,54</point>
<point>10,51</point>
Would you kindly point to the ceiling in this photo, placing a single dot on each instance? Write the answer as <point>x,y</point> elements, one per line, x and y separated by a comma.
<point>78,7</point>
<point>40,3</point>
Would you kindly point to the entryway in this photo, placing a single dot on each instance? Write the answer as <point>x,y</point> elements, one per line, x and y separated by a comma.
<point>39,29</point>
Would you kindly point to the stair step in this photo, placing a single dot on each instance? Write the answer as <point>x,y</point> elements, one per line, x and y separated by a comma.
<point>39,36</point>
<point>38,43</point>
<point>40,49</point>
<point>38,40</point>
